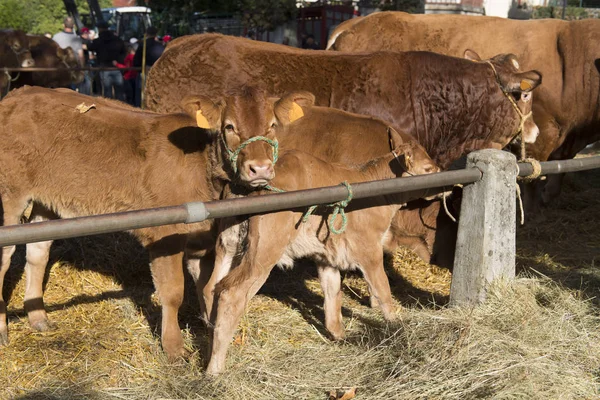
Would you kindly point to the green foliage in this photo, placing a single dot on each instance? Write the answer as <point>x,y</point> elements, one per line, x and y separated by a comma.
<point>13,15</point>
<point>266,15</point>
<point>174,16</point>
<point>571,13</point>
<point>39,16</point>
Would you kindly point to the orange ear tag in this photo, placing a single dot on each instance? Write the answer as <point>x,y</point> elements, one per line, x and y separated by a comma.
<point>201,120</point>
<point>296,112</point>
<point>525,85</point>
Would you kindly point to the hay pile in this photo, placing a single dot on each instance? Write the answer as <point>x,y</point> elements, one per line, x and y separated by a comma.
<point>534,339</point>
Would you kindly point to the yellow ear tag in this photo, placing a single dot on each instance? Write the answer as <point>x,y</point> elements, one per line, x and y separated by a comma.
<point>201,120</point>
<point>296,112</point>
<point>525,85</point>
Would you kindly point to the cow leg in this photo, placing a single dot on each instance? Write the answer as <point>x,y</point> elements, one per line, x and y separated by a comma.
<point>201,269</point>
<point>331,283</point>
<point>266,247</point>
<point>12,215</point>
<point>371,264</point>
<point>223,260</point>
<point>7,253</point>
<point>167,274</point>
<point>37,256</point>
<point>237,289</point>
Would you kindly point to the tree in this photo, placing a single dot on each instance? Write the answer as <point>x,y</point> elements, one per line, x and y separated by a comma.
<point>39,16</point>
<point>266,15</point>
<point>13,15</point>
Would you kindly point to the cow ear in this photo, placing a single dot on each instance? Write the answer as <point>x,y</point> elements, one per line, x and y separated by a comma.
<point>289,108</point>
<point>206,112</point>
<point>60,53</point>
<point>525,81</point>
<point>471,55</point>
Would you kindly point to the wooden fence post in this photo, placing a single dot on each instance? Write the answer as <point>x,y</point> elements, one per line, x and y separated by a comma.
<point>486,243</point>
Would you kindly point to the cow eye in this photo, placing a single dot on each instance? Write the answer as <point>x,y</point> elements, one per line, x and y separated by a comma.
<point>525,97</point>
<point>229,128</point>
<point>273,125</point>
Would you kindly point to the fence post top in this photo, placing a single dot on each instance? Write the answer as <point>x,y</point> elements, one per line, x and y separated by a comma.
<point>491,156</point>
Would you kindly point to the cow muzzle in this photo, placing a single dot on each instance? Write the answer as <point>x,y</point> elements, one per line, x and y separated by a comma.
<point>530,131</point>
<point>28,62</point>
<point>257,173</point>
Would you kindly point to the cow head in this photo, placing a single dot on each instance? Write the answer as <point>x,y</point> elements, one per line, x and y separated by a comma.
<point>69,59</point>
<point>247,123</point>
<point>411,156</point>
<point>517,86</point>
<point>18,43</point>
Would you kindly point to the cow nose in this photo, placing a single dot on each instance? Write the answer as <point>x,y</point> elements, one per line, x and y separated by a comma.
<point>531,133</point>
<point>260,169</point>
<point>27,63</point>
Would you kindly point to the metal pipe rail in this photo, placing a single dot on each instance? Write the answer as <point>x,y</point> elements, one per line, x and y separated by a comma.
<point>50,69</point>
<point>411,187</point>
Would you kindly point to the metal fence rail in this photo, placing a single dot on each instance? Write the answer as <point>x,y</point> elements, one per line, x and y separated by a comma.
<point>486,241</point>
<point>411,187</point>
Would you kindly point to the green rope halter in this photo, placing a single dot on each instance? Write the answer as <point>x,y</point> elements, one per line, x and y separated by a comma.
<point>233,155</point>
<point>338,208</point>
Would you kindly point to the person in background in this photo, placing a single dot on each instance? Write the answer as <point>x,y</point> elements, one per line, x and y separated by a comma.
<point>85,87</point>
<point>134,43</point>
<point>68,38</point>
<point>310,43</point>
<point>130,76</point>
<point>109,50</point>
<point>154,50</point>
<point>166,39</point>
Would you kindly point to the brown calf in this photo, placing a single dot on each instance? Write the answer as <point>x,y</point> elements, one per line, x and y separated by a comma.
<point>14,52</point>
<point>115,158</point>
<point>48,54</point>
<point>281,237</point>
<point>336,136</point>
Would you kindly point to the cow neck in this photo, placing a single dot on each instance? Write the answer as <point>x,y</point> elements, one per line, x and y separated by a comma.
<point>217,173</point>
<point>522,117</point>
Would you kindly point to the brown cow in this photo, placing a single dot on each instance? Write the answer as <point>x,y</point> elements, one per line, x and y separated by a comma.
<point>14,53</point>
<point>48,54</point>
<point>299,235</point>
<point>339,137</point>
<point>114,158</point>
<point>566,53</point>
<point>451,105</point>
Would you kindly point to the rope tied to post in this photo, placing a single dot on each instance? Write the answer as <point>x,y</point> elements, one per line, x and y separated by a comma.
<point>338,209</point>
<point>234,154</point>
<point>535,164</point>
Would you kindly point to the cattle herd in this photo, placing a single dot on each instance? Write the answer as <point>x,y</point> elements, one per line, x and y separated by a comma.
<point>394,95</point>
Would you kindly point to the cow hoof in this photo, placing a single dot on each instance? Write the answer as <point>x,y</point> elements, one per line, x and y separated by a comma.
<point>43,326</point>
<point>3,339</point>
<point>373,302</point>
<point>179,356</point>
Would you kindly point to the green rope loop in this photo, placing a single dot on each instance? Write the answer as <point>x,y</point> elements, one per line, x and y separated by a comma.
<point>338,209</point>
<point>233,155</point>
